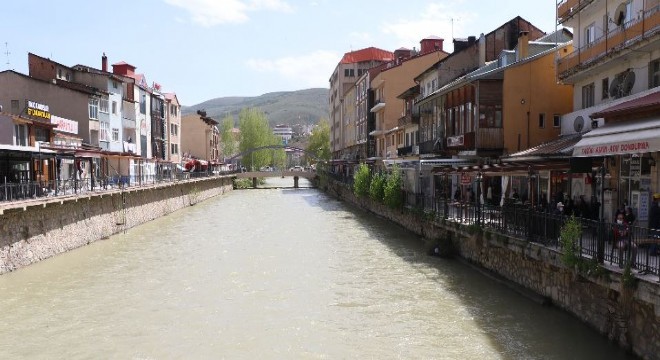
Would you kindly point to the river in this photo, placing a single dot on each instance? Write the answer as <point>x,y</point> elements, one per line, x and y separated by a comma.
<point>275,274</point>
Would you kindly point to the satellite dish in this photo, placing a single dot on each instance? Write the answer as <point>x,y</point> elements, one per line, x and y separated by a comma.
<point>614,87</point>
<point>628,83</point>
<point>578,124</point>
<point>620,14</point>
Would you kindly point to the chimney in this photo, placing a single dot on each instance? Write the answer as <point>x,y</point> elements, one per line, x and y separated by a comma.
<point>482,50</point>
<point>523,45</point>
<point>430,44</point>
<point>104,63</point>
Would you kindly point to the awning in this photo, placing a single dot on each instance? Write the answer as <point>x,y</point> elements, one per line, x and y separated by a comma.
<point>632,137</point>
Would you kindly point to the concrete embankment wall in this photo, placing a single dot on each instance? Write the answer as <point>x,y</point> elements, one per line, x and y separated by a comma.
<point>628,315</point>
<point>36,230</point>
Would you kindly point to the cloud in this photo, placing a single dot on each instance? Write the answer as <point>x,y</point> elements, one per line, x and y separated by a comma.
<point>310,70</point>
<point>436,19</point>
<point>209,13</point>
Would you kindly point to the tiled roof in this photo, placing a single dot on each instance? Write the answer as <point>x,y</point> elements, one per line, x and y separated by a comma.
<point>367,54</point>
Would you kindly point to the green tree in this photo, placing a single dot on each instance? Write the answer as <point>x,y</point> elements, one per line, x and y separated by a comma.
<point>392,192</point>
<point>319,141</point>
<point>361,181</point>
<point>228,142</point>
<point>377,186</point>
<point>255,132</point>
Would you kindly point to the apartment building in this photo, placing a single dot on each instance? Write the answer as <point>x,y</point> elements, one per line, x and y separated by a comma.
<point>200,137</point>
<point>173,121</point>
<point>615,71</point>
<point>351,67</point>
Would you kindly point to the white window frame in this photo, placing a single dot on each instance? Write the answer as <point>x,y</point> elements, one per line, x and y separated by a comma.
<point>93,106</point>
<point>114,107</point>
<point>104,131</point>
<point>115,134</point>
<point>590,34</point>
<point>103,106</point>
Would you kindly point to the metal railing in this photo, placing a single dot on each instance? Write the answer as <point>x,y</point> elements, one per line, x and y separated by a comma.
<point>66,187</point>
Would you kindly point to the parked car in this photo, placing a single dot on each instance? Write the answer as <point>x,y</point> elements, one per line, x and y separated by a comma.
<point>296,168</point>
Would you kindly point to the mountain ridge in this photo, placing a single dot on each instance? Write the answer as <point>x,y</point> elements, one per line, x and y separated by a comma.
<point>305,106</point>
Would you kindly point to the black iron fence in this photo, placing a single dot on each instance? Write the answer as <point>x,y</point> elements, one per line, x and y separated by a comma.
<point>38,189</point>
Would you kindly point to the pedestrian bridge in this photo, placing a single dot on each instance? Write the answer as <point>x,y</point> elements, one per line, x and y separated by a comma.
<point>308,174</point>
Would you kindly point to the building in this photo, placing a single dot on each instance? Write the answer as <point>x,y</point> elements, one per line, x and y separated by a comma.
<point>173,123</point>
<point>615,71</point>
<point>284,132</point>
<point>351,67</point>
<point>200,137</point>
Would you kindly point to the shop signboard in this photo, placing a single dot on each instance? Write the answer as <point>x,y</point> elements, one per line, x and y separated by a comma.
<point>466,179</point>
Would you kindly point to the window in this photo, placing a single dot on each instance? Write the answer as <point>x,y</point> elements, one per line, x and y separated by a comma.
<point>174,148</point>
<point>588,96</point>
<point>590,34</point>
<point>20,135</point>
<point>114,84</point>
<point>174,129</point>
<point>556,120</point>
<point>104,132</point>
<point>143,102</point>
<point>103,106</point>
<point>94,108</point>
<point>605,88</point>
<point>654,74</point>
<point>114,107</point>
<point>115,134</point>
<point>360,72</point>
<point>349,72</point>
<point>41,134</point>
<point>15,106</point>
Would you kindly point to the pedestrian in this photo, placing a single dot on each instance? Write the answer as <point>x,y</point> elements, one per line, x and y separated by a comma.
<point>629,216</point>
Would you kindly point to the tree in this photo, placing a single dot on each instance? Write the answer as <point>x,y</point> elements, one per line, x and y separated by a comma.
<point>228,142</point>
<point>319,141</point>
<point>392,192</point>
<point>377,187</point>
<point>255,132</point>
<point>361,181</point>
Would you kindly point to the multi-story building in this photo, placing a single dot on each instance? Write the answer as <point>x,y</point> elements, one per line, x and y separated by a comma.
<point>52,115</point>
<point>615,71</point>
<point>173,114</point>
<point>351,67</point>
<point>200,137</point>
<point>393,79</point>
<point>284,132</point>
<point>140,104</point>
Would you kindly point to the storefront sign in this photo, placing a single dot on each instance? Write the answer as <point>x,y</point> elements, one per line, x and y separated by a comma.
<point>38,110</point>
<point>455,141</point>
<point>64,125</point>
<point>624,147</point>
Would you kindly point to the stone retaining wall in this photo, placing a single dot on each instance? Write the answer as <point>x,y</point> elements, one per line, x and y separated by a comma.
<point>628,315</point>
<point>36,230</point>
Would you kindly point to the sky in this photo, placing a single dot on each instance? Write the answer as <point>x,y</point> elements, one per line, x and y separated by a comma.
<point>203,49</point>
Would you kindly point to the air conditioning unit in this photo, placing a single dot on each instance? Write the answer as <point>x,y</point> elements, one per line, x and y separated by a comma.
<point>415,150</point>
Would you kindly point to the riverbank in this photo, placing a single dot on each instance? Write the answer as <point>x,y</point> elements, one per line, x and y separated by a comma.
<point>35,230</point>
<point>627,312</point>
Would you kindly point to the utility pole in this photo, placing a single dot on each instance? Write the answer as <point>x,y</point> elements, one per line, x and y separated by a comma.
<point>7,53</point>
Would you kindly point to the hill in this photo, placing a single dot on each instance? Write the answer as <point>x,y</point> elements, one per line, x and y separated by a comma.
<point>303,107</point>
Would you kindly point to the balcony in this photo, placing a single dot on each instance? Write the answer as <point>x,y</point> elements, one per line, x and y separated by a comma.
<point>616,40</point>
<point>403,151</point>
<point>380,104</point>
<point>128,123</point>
<point>568,8</point>
<point>408,119</point>
<point>487,139</point>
